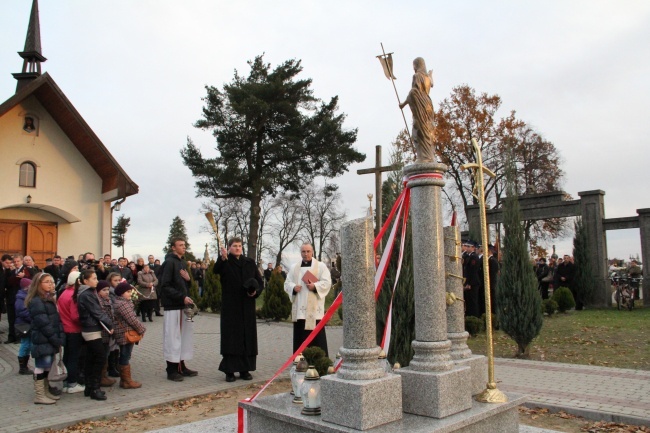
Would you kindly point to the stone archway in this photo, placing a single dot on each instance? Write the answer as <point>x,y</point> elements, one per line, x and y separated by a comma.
<point>591,207</point>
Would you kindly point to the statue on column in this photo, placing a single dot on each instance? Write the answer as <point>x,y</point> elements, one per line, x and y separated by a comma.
<point>421,107</point>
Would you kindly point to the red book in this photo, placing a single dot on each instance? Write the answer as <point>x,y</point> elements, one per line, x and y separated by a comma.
<point>309,278</point>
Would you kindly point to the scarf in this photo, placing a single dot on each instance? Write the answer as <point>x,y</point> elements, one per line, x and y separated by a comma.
<point>312,297</point>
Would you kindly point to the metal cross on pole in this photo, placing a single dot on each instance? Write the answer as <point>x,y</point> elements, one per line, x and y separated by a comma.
<point>491,394</point>
<point>377,170</point>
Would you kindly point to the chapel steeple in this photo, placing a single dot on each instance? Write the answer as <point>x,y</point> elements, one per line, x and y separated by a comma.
<point>31,55</point>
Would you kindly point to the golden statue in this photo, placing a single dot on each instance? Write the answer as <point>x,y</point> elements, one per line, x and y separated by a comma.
<point>421,107</point>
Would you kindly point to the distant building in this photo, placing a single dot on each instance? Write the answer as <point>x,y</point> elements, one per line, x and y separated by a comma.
<point>58,179</point>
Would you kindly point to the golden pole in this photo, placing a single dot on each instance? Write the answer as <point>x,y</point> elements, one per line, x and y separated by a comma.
<point>491,393</point>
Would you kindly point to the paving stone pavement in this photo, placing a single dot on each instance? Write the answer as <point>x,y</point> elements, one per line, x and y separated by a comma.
<point>595,392</point>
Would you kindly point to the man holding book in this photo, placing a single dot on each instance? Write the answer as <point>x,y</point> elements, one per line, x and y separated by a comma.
<point>308,283</point>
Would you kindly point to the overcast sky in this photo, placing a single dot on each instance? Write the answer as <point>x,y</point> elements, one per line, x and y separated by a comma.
<point>577,71</point>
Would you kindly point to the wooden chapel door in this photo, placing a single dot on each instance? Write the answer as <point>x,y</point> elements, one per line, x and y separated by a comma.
<point>13,237</point>
<point>41,241</point>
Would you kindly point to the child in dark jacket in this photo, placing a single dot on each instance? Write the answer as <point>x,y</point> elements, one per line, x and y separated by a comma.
<point>46,333</point>
<point>23,320</point>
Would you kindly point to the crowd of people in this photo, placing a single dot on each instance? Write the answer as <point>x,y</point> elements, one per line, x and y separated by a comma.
<point>82,311</point>
<point>558,272</point>
<point>473,277</point>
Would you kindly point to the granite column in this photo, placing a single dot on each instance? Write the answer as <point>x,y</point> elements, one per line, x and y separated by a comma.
<point>432,384</point>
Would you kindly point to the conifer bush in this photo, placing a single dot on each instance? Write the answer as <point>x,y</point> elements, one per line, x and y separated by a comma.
<point>316,356</point>
<point>564,299</point>
<point>495,323</point>
<point>277,305</point>
<point>474,325</point>
<point>211,299</point>
<point>583,279</point>
<point>549,306</point>
<point>518,302</point>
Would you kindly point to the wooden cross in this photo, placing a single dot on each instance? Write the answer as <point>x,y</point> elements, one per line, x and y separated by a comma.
<point>377,170</point>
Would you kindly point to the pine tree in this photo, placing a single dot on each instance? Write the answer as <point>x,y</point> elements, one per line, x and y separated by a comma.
<point>518,302</point>
<point>583,279</point>
<point>277,305</point>
<point>177,230</point>
<point>119,231</point>
<point>211,298</point>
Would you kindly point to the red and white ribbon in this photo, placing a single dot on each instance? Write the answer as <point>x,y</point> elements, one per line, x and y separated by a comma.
<point>401,209</point>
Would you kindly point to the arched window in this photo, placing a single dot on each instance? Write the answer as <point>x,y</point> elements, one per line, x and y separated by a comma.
<point>27,174</point>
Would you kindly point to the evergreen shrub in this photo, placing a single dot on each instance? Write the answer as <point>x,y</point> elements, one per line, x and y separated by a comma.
<point>277,305</point>
<point>549,306</point>
<point>316,356</point>
<point>495,322</point>
<point>518,302</point>
<point>211,299</point>
<point>564,299</point>
<point>474,325</point>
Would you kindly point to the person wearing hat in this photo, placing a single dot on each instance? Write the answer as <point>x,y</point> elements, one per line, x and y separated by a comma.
<point>69,313</point>
<point>126,320</point>
<point>23,319</point>
<point>241,284</point>
<point>93,319</point>
<point>472,282</point>
<point>106,296</point>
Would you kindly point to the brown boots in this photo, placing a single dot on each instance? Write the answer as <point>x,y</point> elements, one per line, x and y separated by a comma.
<point>125,378</point>
<point>106,381</point>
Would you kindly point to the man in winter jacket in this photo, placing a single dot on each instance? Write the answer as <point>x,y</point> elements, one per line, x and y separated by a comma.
<point>178,334</point>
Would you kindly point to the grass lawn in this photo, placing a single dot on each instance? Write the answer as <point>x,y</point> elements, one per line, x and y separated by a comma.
<point>603,337</point>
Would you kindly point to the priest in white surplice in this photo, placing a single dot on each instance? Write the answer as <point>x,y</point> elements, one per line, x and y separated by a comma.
<point>308,299</point>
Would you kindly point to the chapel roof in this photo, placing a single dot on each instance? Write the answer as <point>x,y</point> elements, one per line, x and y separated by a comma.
<point>50,96</point>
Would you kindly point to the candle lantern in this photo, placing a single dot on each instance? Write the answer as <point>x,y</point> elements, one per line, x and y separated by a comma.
<point>292,373</point>
<point>298,378</point>
<point>311,392</point>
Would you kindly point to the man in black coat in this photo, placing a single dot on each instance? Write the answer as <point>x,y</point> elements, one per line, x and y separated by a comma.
<point>5,273</point>
<point>493,270</point>
<point>178,334</point>
<point>125,272</point>
<point>241,284</point>
<point>55,268</point>
<point>472,282</point>
<point>564,276</point>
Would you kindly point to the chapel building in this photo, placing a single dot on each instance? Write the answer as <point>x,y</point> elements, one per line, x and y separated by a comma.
<point>60,183</point>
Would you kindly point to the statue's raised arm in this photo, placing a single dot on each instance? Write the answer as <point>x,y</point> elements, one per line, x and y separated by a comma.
<point>422,109</point>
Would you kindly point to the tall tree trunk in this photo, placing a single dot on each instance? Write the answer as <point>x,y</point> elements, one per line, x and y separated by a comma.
<point>256,199</point>
<point>278,258</point>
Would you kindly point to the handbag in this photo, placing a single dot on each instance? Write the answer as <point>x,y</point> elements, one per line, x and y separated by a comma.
<point>22,330</point>
<point>132,336</point>
<point>549,277</point>
<point>58,372</point>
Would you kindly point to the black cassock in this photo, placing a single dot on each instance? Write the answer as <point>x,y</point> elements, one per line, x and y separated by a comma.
<point>238,321</point>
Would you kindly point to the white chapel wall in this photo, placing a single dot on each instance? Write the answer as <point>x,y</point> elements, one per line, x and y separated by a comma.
<point>64,180</point>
